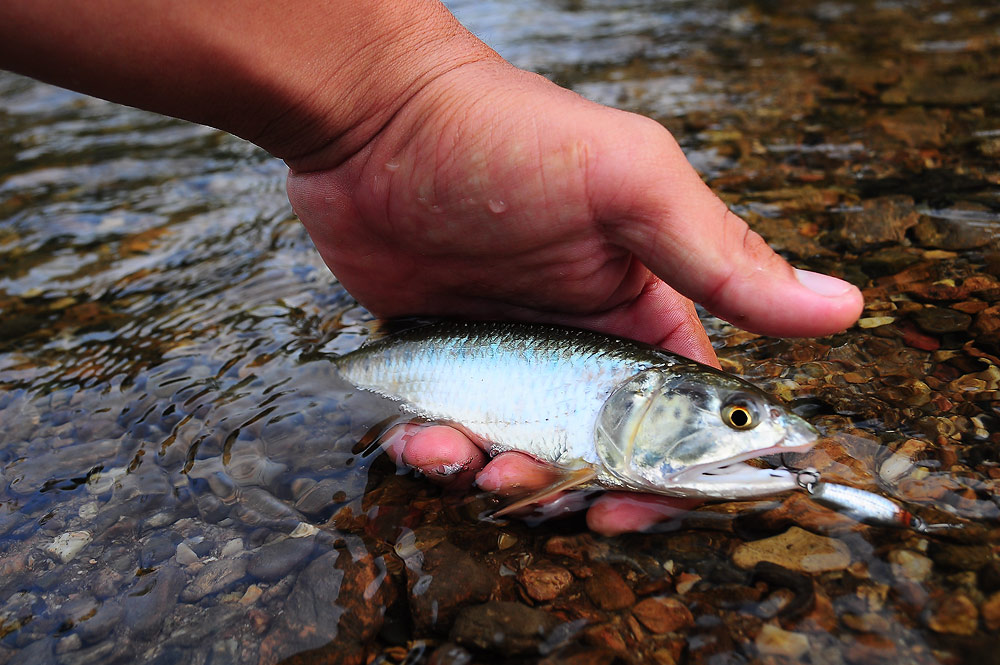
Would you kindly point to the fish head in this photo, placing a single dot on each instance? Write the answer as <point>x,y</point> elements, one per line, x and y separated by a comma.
<point>685,431</point>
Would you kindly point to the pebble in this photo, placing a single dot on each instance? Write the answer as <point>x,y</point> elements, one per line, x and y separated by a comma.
<point>910,565</point>
<point>184,555</point>
<point>663,615</point>
<point>510,628</point>
<point>608,591</point>
<point>953,614</point>
<point>774,641</point>
<point>544,581</point>
<point>990,611</point>
<point>796,549</point>
<point>214,577</point>
<point>143,608</point>
<point>274,560</point>
<point>447,580</point>
<point>67,545</point>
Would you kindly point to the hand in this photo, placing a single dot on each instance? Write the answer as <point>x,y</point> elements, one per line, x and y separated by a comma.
<point>493,193</point>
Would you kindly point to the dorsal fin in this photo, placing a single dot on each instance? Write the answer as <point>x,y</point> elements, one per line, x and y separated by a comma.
<point>381,328</point>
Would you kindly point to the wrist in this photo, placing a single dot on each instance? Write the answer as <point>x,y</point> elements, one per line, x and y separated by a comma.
<point>326,101</point>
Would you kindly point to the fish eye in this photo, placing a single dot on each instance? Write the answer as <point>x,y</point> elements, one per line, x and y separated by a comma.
<point>739,416</point>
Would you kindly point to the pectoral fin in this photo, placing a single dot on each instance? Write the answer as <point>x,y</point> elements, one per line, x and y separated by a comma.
<point>571,479</point>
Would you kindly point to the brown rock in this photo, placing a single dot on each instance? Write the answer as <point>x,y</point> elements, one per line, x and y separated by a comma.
<point>954,614</point>
<point>796,549</point>
<point>990,611</point>
<point>447,580</point>
<point>606,636</point>
<point>663,615</point>
<point>574,547</point>
<point>544,581</point>
<point>509,627</point>
<point>608,591</point>
<point>880,221</point>
<point>914,127</point>
<point>774,641</point>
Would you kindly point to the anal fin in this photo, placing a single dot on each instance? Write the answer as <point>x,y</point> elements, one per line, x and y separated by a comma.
<point>571,479</point>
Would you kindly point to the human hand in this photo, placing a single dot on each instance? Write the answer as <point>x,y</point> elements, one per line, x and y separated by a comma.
<point>493,193</point>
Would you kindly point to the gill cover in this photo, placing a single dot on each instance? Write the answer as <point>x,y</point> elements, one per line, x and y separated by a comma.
<point>664,422</point>
<point>623,431</point>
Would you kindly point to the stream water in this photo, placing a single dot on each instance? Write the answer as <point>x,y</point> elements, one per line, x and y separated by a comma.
<point>184,479</point>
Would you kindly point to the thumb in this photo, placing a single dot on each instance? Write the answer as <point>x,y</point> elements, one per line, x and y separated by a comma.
<point>688,237</point>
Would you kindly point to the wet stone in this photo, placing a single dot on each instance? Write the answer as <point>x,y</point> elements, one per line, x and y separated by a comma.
<point>157,548</point>
<point>508,627</point>
<point>941,320</point>
<point>990,612</point>
<point>910,565</point>
<point>663,615</point>
<point>954,614</point>
<point>447,579</point>
<point>99,626</point>
<point>774,641</point>
<point>450,654</point>
<point>544,581</point>
<point>275,560</point>
<point>608,591</point>
<point>213,578</point>
<point>796,549</point>
<point>880,221</point>
<point>960,557</point>
<point>145,606</point>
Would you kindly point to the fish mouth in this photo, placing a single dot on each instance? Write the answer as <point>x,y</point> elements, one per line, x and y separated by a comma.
<point>734,479</point>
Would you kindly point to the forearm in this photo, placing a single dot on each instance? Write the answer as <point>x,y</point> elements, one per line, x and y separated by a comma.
<point>297,77</point>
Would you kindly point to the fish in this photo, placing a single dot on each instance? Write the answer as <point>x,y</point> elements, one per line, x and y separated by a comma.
<point>607,412</point>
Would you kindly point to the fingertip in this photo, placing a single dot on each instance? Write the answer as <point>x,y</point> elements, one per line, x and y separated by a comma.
<point>616,513</point>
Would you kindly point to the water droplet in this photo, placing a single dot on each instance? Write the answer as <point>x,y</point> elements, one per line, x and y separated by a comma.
<point>436,208</point>
<point>391,165</point>
<point>496,205</point>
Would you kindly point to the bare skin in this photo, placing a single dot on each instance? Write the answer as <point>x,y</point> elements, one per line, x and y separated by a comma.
<point>436,179</point>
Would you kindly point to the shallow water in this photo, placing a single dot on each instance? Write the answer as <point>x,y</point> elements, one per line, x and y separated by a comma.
<point>184,479</point>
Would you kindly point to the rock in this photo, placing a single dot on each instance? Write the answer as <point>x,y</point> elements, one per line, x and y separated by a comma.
<point>311,611</point>
<point>773,641</point>
<point>144,608</point>
<point>960,557</point>
<point>796,549</point>
<point>335,608</point>
<point>663,615</point>
<point>954,614</point>
<point>450,654</point>
<point>66,546</point>
<point>213,578</point>
<point>914,127</point>
<point>990,611</point>
<point>941,320</point>
<point>156,549</point>
<point>275,560</point>
<point>544,581</point>
<point>506,627</point>
<point>880,221</point>
<point>910,565</point>
<point>607,590</point>
<point>445,580</point>
<point>99,626</point>
<point>964,226</point>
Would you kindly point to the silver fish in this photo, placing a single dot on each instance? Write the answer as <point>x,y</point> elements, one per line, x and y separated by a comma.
<point>615,412</point>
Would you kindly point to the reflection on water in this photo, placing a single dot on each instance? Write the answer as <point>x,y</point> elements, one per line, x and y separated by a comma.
<point>180,475</point>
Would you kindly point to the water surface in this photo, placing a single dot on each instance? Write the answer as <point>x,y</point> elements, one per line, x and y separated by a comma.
<point>183,478</point>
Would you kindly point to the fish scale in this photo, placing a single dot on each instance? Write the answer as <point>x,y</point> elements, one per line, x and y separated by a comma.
<point>632,415</point>
<point>502,382</point>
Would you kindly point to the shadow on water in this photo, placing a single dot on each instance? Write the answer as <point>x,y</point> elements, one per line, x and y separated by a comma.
<point>184,479</point>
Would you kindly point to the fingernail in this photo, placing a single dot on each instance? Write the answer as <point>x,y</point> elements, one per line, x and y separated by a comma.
<point>824,285</point>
